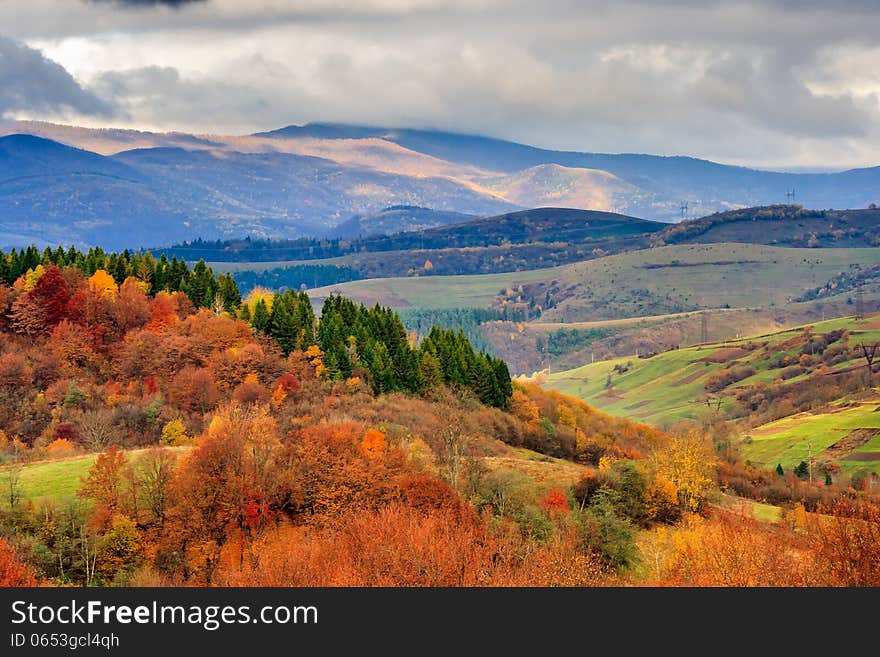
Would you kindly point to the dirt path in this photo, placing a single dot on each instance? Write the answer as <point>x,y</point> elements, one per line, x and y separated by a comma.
<point>852,441</point>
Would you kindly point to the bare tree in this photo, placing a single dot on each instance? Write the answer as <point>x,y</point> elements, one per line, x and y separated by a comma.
<point>96,429</point>
<point>453,450</point>
<point>12,489</point>
<point>154,471</point>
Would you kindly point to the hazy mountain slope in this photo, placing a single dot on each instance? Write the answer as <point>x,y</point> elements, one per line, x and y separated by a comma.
<point>395,219</point>
<point>553,184</point>
<point>279,194</point>
<point>54,194</point>
<point>708,186</point>
<point>303,180</point>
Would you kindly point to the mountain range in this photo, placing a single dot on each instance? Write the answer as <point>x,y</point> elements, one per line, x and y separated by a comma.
<point>125,189</point>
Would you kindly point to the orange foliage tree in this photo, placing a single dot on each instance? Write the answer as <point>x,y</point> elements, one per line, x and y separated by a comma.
<point>13,573</point>
<point>104,483</point>
<point>233,483</point>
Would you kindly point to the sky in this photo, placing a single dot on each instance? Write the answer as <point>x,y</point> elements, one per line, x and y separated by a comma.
<point>782,84</point>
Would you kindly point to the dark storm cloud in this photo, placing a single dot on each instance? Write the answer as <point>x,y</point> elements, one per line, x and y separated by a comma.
<point>30,82</point>
<point>753,81</point>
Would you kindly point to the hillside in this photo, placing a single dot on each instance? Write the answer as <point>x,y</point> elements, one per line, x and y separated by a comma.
<point>780,225</point>
<point>648,282</point>
<point>536,345</point>
<point>543,237</point>
<point>518,241</point>
<point>136,414</point>
<point>676,384</point>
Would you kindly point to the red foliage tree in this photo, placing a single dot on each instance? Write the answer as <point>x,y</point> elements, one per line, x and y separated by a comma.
<point>163,312</point>
<point>53,294</point>
<point>132,308</point>
<point>67,431</point>
<point>555,502</point>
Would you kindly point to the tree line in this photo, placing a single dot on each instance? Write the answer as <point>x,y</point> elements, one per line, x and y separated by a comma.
<point>200,284</point>
<point>350,340</point>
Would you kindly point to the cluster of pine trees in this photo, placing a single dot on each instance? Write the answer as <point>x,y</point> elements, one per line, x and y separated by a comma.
<point>296,277</point>
<point>287,317</point>
<point>200,284</point>
<point>374,340</point>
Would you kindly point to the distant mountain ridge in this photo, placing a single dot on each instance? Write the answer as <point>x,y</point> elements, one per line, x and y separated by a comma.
<point>687,175</point>
<point>126,188</point>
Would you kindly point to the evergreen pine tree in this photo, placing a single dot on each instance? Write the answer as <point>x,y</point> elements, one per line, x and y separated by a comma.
<point>227,290</point>
<point>281,324</point>
<point>260,319</point>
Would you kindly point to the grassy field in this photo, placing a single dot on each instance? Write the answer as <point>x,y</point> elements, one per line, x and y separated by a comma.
<point>680,278</point>
<point>658,281</point>
<point>478,291</point>
<point>59,479</point>
<point>543,471</point>
<point>52,479</point>
<point>233,267</point>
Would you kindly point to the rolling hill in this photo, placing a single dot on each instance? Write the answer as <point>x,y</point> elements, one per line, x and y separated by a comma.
<point>780,225</point>
<point>516,241</point>
<point>662,280</point>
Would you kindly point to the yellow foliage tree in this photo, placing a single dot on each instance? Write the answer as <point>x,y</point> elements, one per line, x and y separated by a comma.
<point>28,280</point>
<point>278,396</point>
<point>316,358</point>
<point>256,295</point>
<point>605,463</point>
<point>174,433</point>
<point>566,416</point>
<point>688,462</point>
<point>523,407</point>
<point>103,285</point>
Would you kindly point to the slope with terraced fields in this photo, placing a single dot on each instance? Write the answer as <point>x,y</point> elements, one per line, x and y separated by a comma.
<point>846,434</point>
<point>672,385</point>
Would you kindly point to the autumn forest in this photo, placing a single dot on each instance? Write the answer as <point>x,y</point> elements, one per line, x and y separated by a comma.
<point>254,442</point>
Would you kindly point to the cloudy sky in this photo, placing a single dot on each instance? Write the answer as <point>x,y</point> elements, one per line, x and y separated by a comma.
<point>770,83</point>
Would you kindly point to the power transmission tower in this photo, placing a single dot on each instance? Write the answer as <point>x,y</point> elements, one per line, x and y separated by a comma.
<point>704,328</point>
<point>789,196</point>
<point>683,208</point>
<point>860,302</point>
